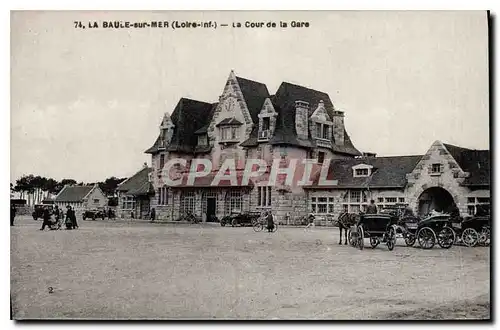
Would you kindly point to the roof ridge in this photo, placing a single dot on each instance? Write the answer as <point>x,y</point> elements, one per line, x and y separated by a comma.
<point>193,100</point>
<point>301,86</point>
<point>254,81</point>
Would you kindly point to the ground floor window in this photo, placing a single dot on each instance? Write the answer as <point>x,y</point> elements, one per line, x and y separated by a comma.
<point>163,196</point>
<point>322,205</point>
<point>264,196</point>
<point>354,201</point>
<point>383,202</point>
<point>473,203</point>
<point>128,203</point>
<point>187,202</point>
<point>234,202</point>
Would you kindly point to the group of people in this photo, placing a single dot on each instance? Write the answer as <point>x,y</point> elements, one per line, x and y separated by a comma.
<point>70,220</point>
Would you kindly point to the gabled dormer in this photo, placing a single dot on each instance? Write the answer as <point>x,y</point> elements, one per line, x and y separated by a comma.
<point>321,126</point>
<point>267,121</point>
<point>166,130</point>
<point>362,170</point>
<point>229,130</point>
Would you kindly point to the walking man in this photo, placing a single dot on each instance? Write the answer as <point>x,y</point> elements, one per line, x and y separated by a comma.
<point>372,208</point>
<point>57,215</point>
<point>270,222</point>
<point>46,218</point>
<point>310,220</point>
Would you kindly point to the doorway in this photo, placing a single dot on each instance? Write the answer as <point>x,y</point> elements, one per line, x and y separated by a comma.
<point>211,209</point>
<point>435,198</point>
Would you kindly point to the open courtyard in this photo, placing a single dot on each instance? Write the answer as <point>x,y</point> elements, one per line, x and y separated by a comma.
<point>139,270</point>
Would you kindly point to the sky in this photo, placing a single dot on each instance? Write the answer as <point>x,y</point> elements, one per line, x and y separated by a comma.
<point>87,103</point>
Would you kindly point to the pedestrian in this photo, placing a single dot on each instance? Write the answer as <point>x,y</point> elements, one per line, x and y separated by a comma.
<point>153,214</point>
<point>69,219</point>
<point>372,208</point>
<point>310,219</point>
<point>270,222</point>
<point>12,214</point>
<point>57,215</point>
<point>110,214</point>
<point>73,219</point>
<point>46,218</point>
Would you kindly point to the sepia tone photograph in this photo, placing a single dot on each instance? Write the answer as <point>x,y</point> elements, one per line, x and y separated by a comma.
<point>250,165</point>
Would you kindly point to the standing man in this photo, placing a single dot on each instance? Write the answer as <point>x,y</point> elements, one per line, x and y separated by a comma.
<point>57,215</point>
<point>73,218</point>
<point>270,222</point>
<point>372,208</point>
<point>153,214</point>
<point>46,218</point>
<point>12,214</point>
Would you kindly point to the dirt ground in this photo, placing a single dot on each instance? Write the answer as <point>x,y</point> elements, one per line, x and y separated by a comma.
<point>139,270</point>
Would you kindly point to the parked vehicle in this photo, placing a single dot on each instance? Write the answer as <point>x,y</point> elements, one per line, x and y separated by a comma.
<point>473,230</point>
<point>378,227</point>
<point>93,214</point>
<point>240,219</point>
<point>431,229</point>
<point>38,211</point>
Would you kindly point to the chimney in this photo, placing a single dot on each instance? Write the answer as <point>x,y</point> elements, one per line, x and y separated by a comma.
<point>338,127</point>
<point>302,119</point>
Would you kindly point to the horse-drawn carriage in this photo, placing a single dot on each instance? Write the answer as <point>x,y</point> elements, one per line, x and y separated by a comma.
<point>473,230</point>
<point>428,231</point>
<point>377,227</point>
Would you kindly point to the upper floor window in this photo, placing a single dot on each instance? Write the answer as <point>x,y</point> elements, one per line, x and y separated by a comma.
<point>321,157</point>
<point>264,196</point>
<point>202,140</point>
<point>362,172</point>
<point>322,131</point>
<point>162,160</point>
<point>436,168</point>
<point>229,133</point>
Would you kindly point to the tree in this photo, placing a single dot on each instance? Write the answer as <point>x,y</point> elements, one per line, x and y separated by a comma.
<point>109,185</point>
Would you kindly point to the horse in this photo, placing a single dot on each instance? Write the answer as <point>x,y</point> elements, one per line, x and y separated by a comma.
<point>345,221</point>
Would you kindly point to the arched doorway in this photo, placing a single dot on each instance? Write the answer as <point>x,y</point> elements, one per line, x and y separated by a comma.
<point>435,198</point>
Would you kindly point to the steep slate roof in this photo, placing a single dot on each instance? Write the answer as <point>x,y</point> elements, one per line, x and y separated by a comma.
<point>138,184</point>
<point>285,132</point>
<point>476,162</point>
<point>387,172</point>
<point>73,194</point>
<point>229,121</point>
<point>254,93</point>
<point>189,116</point>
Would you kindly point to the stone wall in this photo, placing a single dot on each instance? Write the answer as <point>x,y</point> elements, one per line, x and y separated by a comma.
<point>338,127</point>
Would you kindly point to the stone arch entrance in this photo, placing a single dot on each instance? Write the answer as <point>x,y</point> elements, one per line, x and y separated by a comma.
<point>435,198</point>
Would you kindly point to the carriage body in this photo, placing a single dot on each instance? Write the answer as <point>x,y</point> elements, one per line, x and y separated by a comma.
<point>473,230</point>
<point>377,227</point>
<point>431,229</point>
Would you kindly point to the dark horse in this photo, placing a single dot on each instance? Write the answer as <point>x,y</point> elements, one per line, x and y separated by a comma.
<point>344,222</point>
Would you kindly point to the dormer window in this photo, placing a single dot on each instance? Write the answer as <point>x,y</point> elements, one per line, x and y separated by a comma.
<point>265,129</point>
<point>202,140</point>
<point>229,130</point>
<point>362,170</point>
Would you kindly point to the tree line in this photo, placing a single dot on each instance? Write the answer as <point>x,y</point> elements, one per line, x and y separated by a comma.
<point>36,188</point>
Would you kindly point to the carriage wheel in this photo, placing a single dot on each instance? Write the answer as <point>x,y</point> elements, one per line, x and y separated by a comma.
<point>234,223</point>
<point>361,238</point>
<point>426,238</point>
<point>446,237</point>
<point>350,237</point>
<point>484,237</point>
<point>410,239</point>
<point>374,241</point>
<point>391,239</point>
<point>258,226</point>
<point>470,237</point>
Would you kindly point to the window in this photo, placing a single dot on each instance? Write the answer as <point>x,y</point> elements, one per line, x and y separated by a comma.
<point>401,199</point>
<point>322,205</point>
<point>380,199</point>
<point>325,132</point>
<point>128,203</point>
<point>234,133</point>
<point>162,161</point>
<point>321,157</point>
<point>471,200</point>
<point>318,130</point>
<point>436,168</point>
<point>264,196</point>
<point>266,123</point>
<point>355,209</point>
<point>187,202</point>
<point>234,201</point>
<point>471,209</point>
<point>355,196</point>
<point>96,201</point>
<point>391,200</point>
<point>226,133</point>
<point>476,203</point>
<point>485,200</point>
<point>229,133</point>
<point>163,196</point>
<point>202,140</point>
<point>322,131</point>
<point>362,172</point>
